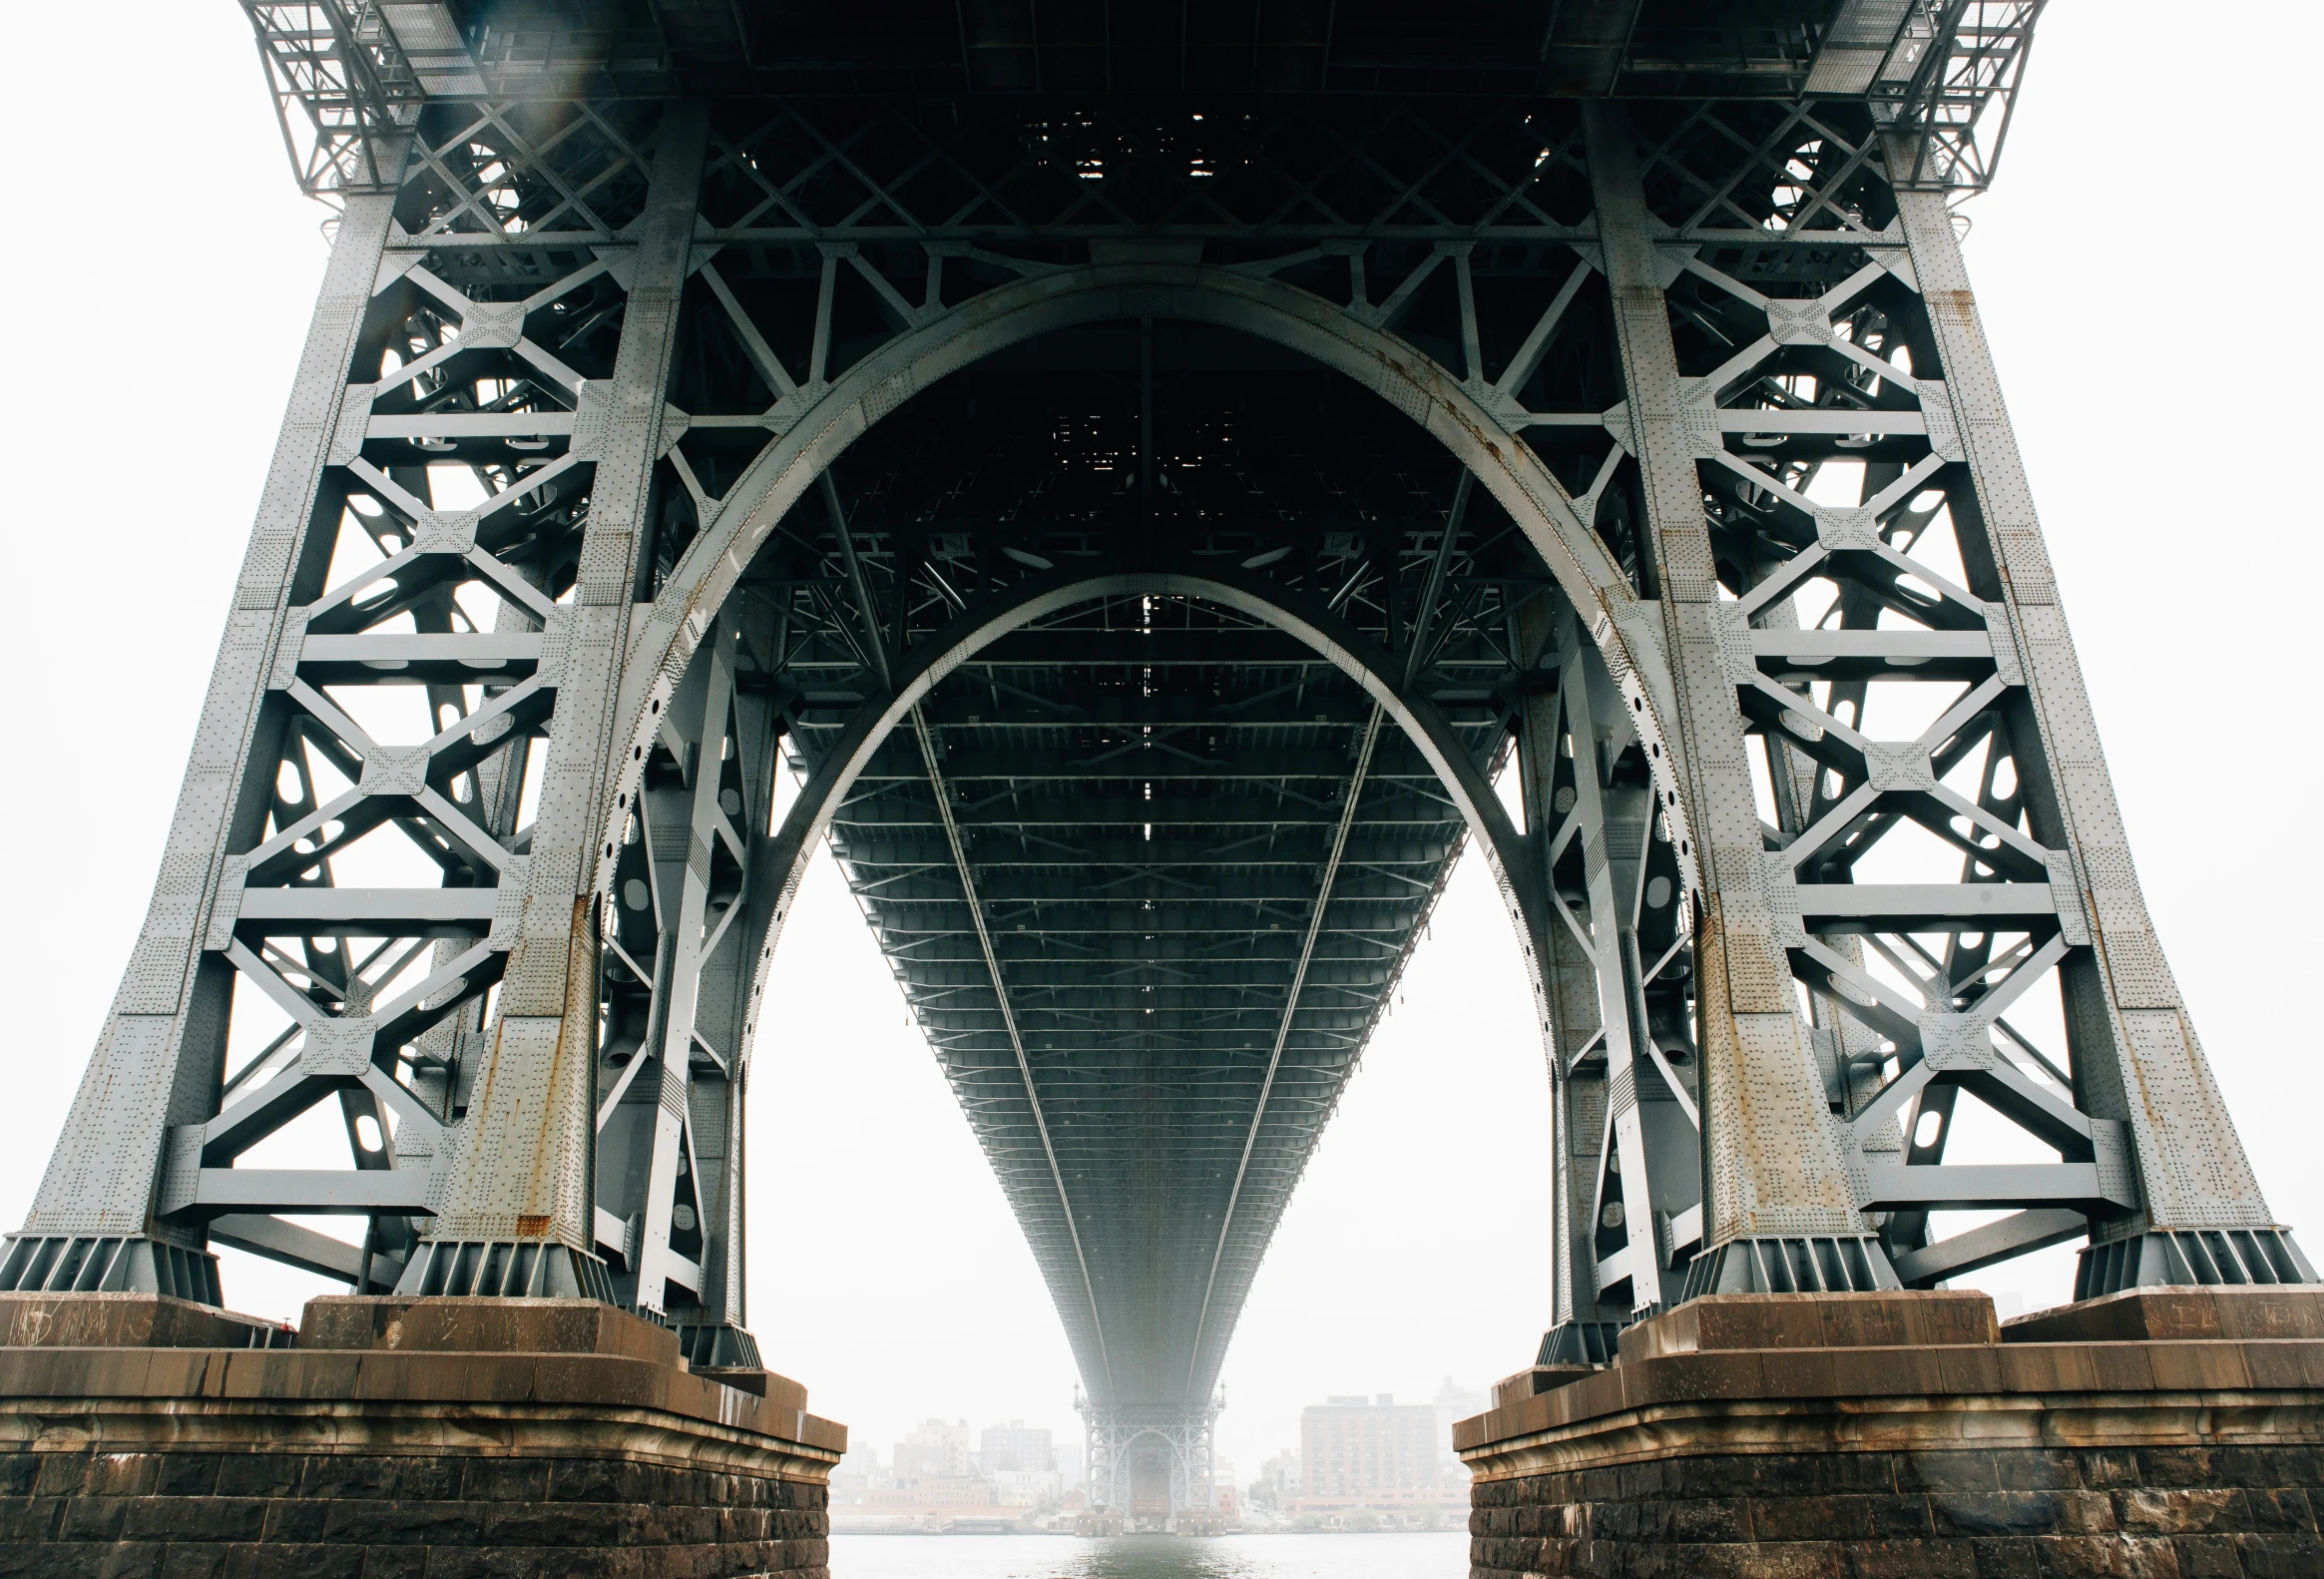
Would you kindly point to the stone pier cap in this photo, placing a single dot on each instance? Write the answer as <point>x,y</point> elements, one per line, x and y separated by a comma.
<point>1860,1363</point>
<point>102,1355</point>
<point>144,1437</point>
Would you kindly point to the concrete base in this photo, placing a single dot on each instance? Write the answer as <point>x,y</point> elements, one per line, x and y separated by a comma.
<point>426,1439</point>
<point>2159,1433</point>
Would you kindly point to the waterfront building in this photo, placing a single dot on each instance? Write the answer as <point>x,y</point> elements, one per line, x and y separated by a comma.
<point>1454,1402</point>
<point>1015,1447</point>
<point>1027,1488</point>
<point>1278,1482</point>
<point>933,1451</point>
<point>1368,1452</point>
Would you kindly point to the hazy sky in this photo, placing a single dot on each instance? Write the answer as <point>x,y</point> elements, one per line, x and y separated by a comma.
<point>2161,375</point>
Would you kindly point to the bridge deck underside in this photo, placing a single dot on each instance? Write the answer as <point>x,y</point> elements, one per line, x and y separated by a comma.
<point>1660,47</point>
<point>1147,826</point>
<point>1148,793</point>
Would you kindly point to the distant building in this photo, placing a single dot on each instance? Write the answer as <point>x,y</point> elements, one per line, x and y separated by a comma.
<point>1454,1402</point>
<point>855,1476</point>
<point>1027,1488</point>
<point>1278,1482</point>
<point>934,1451</point>
<point>933,1491</point>
<point>1368,1452</point>
<point>1225,1500</point>
<point>1014,1447</point>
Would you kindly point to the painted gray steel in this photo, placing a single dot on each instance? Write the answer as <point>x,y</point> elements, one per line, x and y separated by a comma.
<point>1133,540</point>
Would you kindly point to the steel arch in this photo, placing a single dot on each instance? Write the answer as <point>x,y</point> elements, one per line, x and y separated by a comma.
<point>1451,410</point>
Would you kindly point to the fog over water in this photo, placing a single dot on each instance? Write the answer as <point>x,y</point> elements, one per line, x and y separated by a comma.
<point>1418,1557</point>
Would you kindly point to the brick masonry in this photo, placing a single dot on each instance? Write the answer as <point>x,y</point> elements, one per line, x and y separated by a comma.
<point>414,1439</point>
<point>2153,1514</point>
<point>310,1515</point>
<point>2162,1434</point>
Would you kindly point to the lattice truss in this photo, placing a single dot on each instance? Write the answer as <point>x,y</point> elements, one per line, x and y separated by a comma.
<point>342,90</point>
<point>1093,855</point>
<point>370,902</point>
<point>1950,84</point>
<point>382,824</point>
<point>1916,853</point>
<point>1146,675</point>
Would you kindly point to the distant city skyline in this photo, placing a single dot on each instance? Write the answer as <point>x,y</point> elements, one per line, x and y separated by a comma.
<point>1024,1464</point>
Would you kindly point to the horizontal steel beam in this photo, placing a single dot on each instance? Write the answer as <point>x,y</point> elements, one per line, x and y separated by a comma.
<point>1971,1186</point>
<point>316,1191</point>
<point>368,912</point>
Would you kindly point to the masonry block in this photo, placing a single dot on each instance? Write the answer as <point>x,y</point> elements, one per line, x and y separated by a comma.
<point>143,1437</point>
<point>2168,1432</point>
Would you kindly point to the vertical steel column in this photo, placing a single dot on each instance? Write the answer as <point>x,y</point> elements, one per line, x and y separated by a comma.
<point>695,822</point>
<point>1779,1204</point>
<point>2136,1058</point>
<point>160,1058</point>
<point>1611,826</point>
<point>1582,1324</point>
<point>1570,982</point>
<point>523,1169</point>
<point>1628,1149</point>
<point>686,919</point>
<point>716,1331</point>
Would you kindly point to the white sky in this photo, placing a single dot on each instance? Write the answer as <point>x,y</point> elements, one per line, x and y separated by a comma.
<point>2161,375</point>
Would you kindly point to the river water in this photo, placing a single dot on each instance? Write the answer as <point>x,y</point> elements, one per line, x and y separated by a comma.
<point>1439,1555</point>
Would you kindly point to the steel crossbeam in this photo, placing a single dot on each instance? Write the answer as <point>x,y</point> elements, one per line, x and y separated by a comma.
<point>1233,486</point>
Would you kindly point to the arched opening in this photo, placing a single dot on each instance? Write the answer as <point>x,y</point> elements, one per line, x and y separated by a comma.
<point>1053,693</point>
<point>1315,333</point>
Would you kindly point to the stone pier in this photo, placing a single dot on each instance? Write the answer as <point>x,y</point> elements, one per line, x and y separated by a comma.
<point>2173,1433</point>
<point>423,1439</point>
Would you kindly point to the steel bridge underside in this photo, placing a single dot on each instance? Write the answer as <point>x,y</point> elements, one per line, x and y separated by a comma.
<point>1196,897</point>
<point>1148,868</point>
<point>1145,670</point>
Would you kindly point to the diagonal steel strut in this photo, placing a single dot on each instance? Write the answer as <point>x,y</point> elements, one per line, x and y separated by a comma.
<point>976,912</point>
<point>1339,838</point>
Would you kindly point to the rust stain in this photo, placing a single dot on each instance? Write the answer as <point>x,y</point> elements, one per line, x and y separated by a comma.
<point>539,1186</point>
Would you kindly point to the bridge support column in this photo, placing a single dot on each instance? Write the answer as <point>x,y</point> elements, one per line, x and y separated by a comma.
<point>2161,1431</point>
<point>2197,1215</point>
<point>1778,1208</point>
<point>1616,957</point>
<point>141,1434</point>
<point>1797,1411</point>
<point>99,1221</point>
<point>522,1175</point>
<point>687,917</point>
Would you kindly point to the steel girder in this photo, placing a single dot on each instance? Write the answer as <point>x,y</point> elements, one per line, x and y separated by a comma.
<point>1942,74</point>
<point>1146,674</point>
